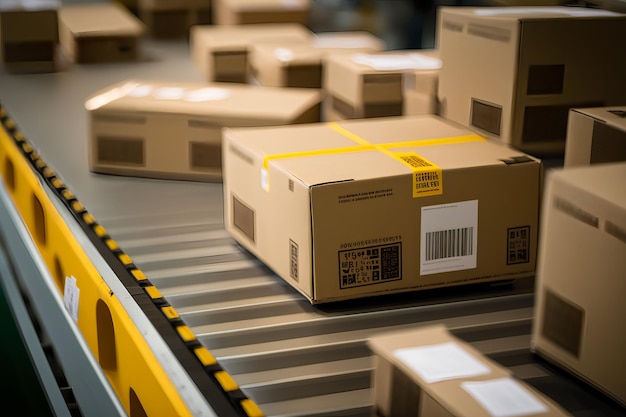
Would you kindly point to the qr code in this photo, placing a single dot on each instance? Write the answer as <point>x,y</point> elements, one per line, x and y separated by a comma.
<point>370,265</point>
<point>518,245</point>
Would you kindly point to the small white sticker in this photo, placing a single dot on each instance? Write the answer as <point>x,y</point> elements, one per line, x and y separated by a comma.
<point>504,397</point>
<point>71,294</point>
<point>141,91</point>
<point>207,94</point>
<point>397,62</point>
<point>283,54</point>
<point>449,237</point>
<point>169,93</point>
<point>291,4</point>
<point>441,362</point>
<point>265,180</point>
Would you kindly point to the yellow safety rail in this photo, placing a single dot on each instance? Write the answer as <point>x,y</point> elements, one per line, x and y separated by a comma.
<point>141,383</point>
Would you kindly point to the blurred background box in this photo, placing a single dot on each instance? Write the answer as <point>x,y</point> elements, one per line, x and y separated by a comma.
<point>514,73</point>
<point>221,52</point>
<point>29,35</point>
<point>241,12</point>
<point>362,85</point>
<point>174,130</point>
<point>291,64</point>
<point>428,372</point>
<point>596,135</point>
<point>580,314</point>
<point>173,18</point>
<point>100,32</point>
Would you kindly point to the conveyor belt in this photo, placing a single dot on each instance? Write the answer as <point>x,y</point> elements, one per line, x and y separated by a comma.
<point>289,357</point>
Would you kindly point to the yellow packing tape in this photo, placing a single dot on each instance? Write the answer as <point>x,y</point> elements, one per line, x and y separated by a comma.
<point>427,176</point>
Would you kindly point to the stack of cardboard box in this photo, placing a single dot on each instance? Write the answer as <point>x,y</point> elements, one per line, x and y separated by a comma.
<point>389,204</point>
<point>288,64</point>
<point>516,76</point>
<point>362,85</point>
<point>404,203</point>
<point>220,53</point>
<point>513,73</point>
<point>548,81</point>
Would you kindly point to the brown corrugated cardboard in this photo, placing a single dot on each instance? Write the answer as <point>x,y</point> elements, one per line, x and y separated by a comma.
<point>289,64</point>
<point>100,32</point>
<point>371,84</point>
<point>173,19</point>
<point>29,35</point>
<point>514,73</point>
<point>221,52</point>
<point>241,12</point>
<point>173,130</point>
<point>428,372</point>
<point>420,87</point>
<point>364,207</point>
<point>595,135</point>
<point>579,309</point>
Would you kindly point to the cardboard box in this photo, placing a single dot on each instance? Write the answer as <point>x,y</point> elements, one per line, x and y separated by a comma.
<point>290,64</point>
<point>174,130</point>
<point>595,135</point>
<point>173,19</point>
<point>221,52</point>
<point>100,32</point>
<point>428,372</point>
<point>284,64</point>
<point>29,35</point>
<point>420,86</point>
<point>363,207</point>
<point>513,73</point>
<point>241,12</point>
<point>579,308</point>
<point>371,84</point>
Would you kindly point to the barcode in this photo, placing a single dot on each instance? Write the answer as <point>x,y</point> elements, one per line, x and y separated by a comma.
<point>293,260</point>
<point>449,243</point>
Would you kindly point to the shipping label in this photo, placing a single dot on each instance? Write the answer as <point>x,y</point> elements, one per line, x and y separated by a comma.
<point>370,265</point>
<point>449,237</point>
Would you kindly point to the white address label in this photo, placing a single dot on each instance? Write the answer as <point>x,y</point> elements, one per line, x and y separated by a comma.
<point>71,296</point>
<point>449,237</point>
